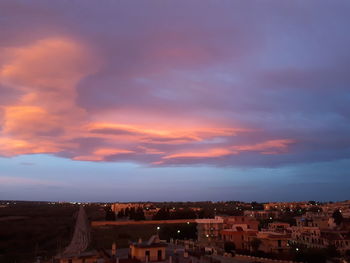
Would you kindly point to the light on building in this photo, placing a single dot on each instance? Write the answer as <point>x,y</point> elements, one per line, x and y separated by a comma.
<point>158,227</point>
<point>207,235</point>
<point>297,249</point>
<point>178,231</point>
<point>188,223</point>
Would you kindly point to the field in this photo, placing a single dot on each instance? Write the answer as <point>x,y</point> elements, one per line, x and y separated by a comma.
<point>123,235</point>
<point>32,229</point>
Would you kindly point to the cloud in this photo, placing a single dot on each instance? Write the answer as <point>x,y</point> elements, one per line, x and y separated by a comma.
<point>212,153</point>
<point>45,74</point>
<point>267,147</point>
<point>231,85</point>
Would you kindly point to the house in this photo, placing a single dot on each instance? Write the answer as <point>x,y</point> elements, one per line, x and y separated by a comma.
<point>251,223</point>
<point>278,227</point>
<point>286,205</point>
<point>152,250</point>
<point>323,222</point>
<point>262,214</point>
<point>238,235</point>
<point>270,242</point>
<point>209,229</point>
<point>314,237</point>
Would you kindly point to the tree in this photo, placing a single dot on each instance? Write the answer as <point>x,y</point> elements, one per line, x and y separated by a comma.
<point>110,215</point>
<point>229,246</point>
<point>313,255</point>
<point>185,213</point>
<point>338,217</point>
<point>315,209</point>
<point>311,202</point>
<point>178,231</point>
<point>127,212</point>
<point>255,244</point>
<point>347,253</point>
<point>205,213</point>
<point>132,213</point>
<point>162,214</point>
<point>257,206</point>
<point>331,251</point>
<point>139,214</point>
<point>121,213</point>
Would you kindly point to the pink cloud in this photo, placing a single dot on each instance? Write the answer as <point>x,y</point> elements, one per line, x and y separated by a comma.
<point>46,118</point>
<point>211,153</point>
<point>267,147</point>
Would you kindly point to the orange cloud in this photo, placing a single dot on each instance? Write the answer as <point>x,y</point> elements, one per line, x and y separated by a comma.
<point>88,158</point>
<point>106,151</point>
<point>267,147</point>
<point>143,132</point>
<point>101,154</point>
<point>26,121</point>
<point>211,153</point>
<point>11,147</point>
<point>48,63</point>
<point>45,117</point>
<point>172,135</point>
<point>45,73</point>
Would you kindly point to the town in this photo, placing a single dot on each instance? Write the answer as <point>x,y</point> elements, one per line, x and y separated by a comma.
<point>174,131</point>
<point>184,232</point>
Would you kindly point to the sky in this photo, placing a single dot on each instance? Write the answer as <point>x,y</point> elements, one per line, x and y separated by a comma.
<point>180,100</point>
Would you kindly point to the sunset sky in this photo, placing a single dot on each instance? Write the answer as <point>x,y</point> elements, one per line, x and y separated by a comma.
<point>174,100</point>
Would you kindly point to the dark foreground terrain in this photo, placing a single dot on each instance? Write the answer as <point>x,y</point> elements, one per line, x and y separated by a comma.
<point>30,229</point>
<point>40,229</point>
